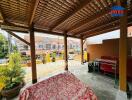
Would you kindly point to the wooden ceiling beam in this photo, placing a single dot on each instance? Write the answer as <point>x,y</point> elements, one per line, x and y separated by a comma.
<point>14,28</point>
<point>96,27</point>
<point>1,16</point>
<point>88,20</point>
<point>91,28</point>
<point>6,22</point>
<point>113,23</point>
<point>33,12</point>
<point>48,32</point>
<point>101,32</point>
<point>104,31</point>
<point>53,33</point>
<point>21,39</point>
<point>83,3</point>
<point>95,24</point>
<point>101,27</point>
<point>26,30</point>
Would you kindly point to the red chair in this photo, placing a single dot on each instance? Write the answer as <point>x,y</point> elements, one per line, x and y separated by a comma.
<point>108,68</point>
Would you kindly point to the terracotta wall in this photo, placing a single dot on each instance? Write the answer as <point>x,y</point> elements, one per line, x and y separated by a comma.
<point>108,48</point>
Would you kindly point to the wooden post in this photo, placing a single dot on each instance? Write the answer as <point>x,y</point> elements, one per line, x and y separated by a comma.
<point>33,59</point>
<point>65,52</point>
<point>123,52</point>
<point>81,51</point>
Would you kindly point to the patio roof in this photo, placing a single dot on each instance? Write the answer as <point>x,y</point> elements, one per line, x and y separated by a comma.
<point>76,18</point>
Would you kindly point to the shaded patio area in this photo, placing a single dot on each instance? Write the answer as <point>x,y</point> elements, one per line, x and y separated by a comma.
<point>72,18</point>
<point>103,86</point>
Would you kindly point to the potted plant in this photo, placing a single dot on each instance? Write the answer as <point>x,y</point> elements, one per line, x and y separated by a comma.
<point>12,76</point>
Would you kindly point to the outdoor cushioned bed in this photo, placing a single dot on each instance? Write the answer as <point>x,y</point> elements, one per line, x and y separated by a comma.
<point>64,86</point>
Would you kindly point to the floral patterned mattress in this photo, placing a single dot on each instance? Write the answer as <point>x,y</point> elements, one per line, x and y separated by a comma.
<point>64,86</point>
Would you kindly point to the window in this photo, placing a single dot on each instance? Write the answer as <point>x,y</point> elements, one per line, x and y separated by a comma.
<point>54,46</point>
<point>41,46</point>
<point>25,47</point>
<point>48,46</point>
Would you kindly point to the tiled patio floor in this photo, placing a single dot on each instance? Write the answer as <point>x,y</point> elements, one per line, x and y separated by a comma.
<point>44,70</point>
<point>103,86</point>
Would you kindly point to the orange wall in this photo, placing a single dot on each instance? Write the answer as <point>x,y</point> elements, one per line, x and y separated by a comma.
<point>108,48</point>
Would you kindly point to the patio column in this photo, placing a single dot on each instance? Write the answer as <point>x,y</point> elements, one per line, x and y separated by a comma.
<point>33,59</point>
<point>65,52</point>
<point>81,51</point>
<point>123,51</point>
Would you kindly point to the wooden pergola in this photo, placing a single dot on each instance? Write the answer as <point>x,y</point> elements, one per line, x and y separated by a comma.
<point>69,18</point>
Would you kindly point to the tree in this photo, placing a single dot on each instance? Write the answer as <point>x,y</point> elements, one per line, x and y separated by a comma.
<point>3,46</point>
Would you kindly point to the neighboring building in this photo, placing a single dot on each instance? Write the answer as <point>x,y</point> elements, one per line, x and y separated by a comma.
<point>47,44</point>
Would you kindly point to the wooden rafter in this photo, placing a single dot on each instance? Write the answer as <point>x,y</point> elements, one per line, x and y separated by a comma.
<point>14,28</point>
<point>7,23</point>
<point>33,12</point>
<point>88,20</point>
<point>114,21</point>
<point>95,25</point>
<point>102,27</point>
<point>26,30</point>
<point>53,33</point>
<point>71,13</point>
<point>18,37</point>
<point>104,31</point>
<point>100,32</point>
<point>1,16</point>
<point>90,27</point>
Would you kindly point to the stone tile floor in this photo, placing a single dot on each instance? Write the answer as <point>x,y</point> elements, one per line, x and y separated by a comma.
<point>103,86</point>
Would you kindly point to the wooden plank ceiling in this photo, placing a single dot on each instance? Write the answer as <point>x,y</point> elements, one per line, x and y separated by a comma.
<point>76,18</point>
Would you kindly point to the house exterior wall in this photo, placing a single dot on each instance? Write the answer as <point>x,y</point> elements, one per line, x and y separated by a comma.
<point>108,48</point>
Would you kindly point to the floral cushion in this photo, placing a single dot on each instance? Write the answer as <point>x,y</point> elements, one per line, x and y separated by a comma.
<point>64,86</point>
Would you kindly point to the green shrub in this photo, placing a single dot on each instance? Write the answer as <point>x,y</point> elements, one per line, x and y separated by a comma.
<point>13,74</point>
